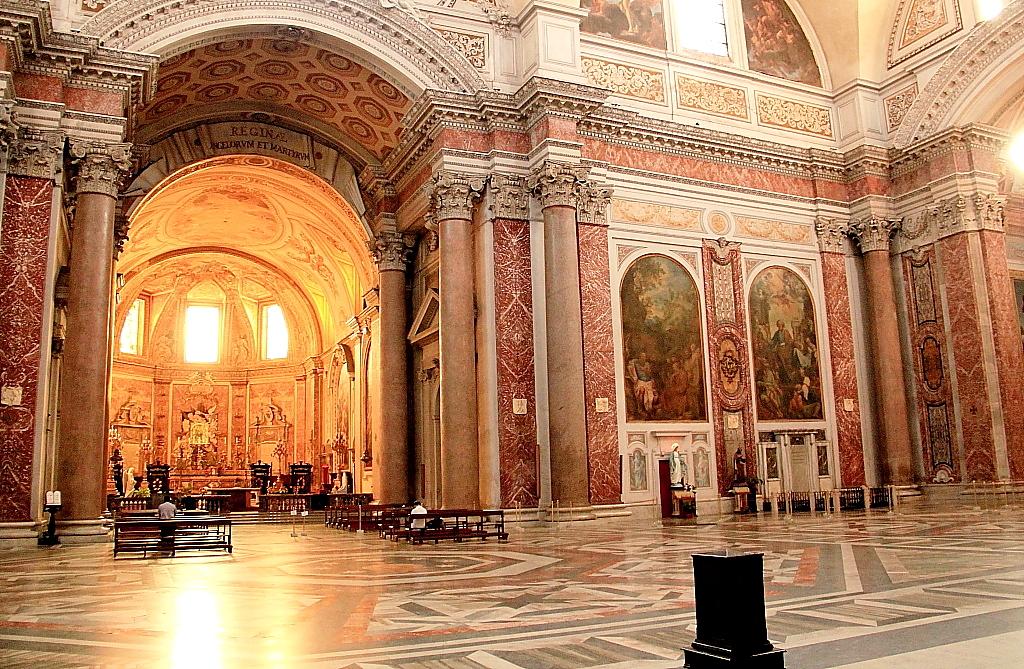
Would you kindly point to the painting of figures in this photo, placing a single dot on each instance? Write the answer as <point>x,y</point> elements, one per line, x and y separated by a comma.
<point>776,45</point>
<point>785,343</point>
<point>663,346</point>
<point>638,21</point>
<point>1018,292</point>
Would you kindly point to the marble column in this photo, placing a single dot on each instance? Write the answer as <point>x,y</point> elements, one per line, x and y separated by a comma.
<point>81,457</point>
<point>24,234</point>
<point>832,235</point>
<point>896,452</point>
<point>555,185</point>
<point>391,252</point>
<point>452,202</point>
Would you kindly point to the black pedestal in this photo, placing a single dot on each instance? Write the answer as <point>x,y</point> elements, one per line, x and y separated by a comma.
<point>731,627</point>
<point>49,535</point>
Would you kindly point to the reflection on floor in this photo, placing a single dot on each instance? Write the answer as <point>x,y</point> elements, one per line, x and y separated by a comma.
<point>863,591</point>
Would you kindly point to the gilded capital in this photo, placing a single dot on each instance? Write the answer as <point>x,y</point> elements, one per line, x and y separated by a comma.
<point>875,233</point>
<point>454,194</point>
<point>509,197</point>
<point>100,167</point>
<point>35,153</point>
<point>832,234</point>
<point>391,251</point>
<point>557,184</point>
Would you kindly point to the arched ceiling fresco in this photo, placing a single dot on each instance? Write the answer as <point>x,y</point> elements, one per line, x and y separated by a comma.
<point>256,207</point>
<point>306,84</point>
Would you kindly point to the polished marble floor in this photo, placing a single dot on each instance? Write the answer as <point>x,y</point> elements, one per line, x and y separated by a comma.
<point>919,588</point>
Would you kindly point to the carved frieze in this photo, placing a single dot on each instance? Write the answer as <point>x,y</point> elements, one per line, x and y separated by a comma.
<point>649,213</point>
<point>473,47</point>
<point>793,115</point>
<point>36,153</point>
<point>509,197</point>
<point>897,105</point>
<point>770,229</point>
<point>391,251</point>
<point>454,194</point>
<point>874,233</point>
<point>626,80</point>
<point>832,234</point>
<point>100,167</point>
<point>711,97</point>
<point>592,203</point>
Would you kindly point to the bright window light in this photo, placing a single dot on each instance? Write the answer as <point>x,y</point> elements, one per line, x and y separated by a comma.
<point>1016,151</point>
<point>699,25</point>
<point>202,333</point>
<point>276,332</point>
<point>131,331</point>
<point>989,9</point>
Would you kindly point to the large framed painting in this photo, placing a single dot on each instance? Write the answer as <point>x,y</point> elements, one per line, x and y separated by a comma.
<point>663,344</point>
<point>637,21</point>
<point>784,338</point>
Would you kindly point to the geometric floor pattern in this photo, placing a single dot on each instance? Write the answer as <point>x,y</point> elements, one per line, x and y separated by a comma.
<point>855,590</point>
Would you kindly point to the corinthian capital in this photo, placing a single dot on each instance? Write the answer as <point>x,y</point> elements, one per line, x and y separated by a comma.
<point>875,233</point>
<point>35,153</point>
<point>557,184</point>
<point>100,167</point>
<point>391,251</point>
<point>978,211</point>
<point>509,197</point>
<point>832,234</point>
<point>592,202</point>
<point>454,195</point>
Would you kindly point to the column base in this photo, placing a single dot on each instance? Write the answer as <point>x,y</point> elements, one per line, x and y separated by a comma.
<point>722,658</point>
<point>612,511</point>
<point>566,514</point>
<point>83,531</point>
<point>22,534</point>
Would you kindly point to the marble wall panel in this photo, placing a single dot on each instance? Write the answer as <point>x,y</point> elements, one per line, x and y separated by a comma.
<point>730,365</point>
<point>965,332</point>
<point>23,243</point>
<point>844,369</point>
<point>1007,341</point>
<point>517,433</point>
<point>599,366</point>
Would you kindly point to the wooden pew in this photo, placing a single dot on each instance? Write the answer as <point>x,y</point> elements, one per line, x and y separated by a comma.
<point>182,533</point>
<point>455,524</point>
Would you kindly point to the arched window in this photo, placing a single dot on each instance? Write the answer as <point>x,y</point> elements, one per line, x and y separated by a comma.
<point>133,330</point>
<point>699,25</point>
<point>275,333</point>
<point>202,333</point>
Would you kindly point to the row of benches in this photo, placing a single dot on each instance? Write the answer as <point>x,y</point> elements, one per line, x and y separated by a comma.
<point>392,521</point>
<point>152,535</point>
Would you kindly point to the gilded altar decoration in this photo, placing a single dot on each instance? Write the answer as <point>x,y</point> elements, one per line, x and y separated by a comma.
<point>473,47</point>
<point>663,342</point>
<point>637,21</point>
<point>793,115</point>
<point>785,345</point>
<point>897,105</point>
<point>711,97</point>
<point>627,80</point>
<point>776,44</point>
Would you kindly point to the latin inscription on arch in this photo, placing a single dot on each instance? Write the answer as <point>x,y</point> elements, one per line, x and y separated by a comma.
<point>262,139</point>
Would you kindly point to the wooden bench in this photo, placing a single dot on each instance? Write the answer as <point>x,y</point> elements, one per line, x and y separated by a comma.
<point>455,524</point>
<point>182,533</point>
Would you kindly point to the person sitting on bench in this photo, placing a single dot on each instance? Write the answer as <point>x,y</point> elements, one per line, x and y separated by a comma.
<point>167,511</point>
<point>417,522</point>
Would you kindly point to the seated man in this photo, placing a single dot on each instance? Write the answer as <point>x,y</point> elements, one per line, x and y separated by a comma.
<point>167,511</point>
<point>417,522</point>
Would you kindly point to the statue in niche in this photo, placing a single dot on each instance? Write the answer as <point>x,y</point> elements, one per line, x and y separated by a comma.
<point>242,352</point>
<point>677,468</point>
<point>638,470</point>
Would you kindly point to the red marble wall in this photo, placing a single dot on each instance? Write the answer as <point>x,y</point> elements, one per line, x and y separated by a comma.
<point>517,435</point>
<point>1007,340</point>
<point>844,368</point>
<point>969,361</point>
<point>730,364</point>
<point>23,241</point>
<point>599,365</point>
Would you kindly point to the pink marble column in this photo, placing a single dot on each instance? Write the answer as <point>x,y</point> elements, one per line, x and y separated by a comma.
<point>832,242</point>
<point>81,457</point>
<point>24,232</point>
<point>391,250</point>
<point>453,198</point>
<point>895,449</point>
<point>556,187</point>
<point>513,321</point>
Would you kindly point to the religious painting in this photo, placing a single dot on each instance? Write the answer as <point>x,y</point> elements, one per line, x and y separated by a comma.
<point>637,21</point>
<point>822,458</point>
<point>199,433</point>
<point>776,45</point>
<point>701,468</point>
<point>662,342</point>
<point>931,363</point>
<point>638,470</point>
<point>1018,292</point>
<point>785,345</point>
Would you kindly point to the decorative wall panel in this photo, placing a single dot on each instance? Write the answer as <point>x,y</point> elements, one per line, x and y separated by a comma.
<point>897,105</point>
<point>470,45</point>
<point>626,80</point>
<point>730,367</point>
<point>776,231</point>
<point>919,24</point>
<point>793,115</point>
<point>23,241</point>
<point>712,98</point>
<point>599,366</point>
<point>647,213</point>
<point>517,433</point>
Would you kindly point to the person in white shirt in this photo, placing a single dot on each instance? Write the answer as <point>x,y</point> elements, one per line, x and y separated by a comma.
<point>167,510</point>
<point>416,516</point>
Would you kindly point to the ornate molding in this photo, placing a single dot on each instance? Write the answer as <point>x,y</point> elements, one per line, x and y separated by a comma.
<point>472,46</point>
<point>875,233</point>
<point>832,234</point>
<point>391,251</point>
<point>897,105</point>
<point>509,197</point>
<point>454,194</point>
<point>626,80</point>
<point>36,153</point>
<point>793,115</point>
<point>592,204</point>
<point>121,226</point>
<point>100,167</point>
<point>556,184</point>
<point>711,97</point>
<point>980,211</point>
<point>8,131</point>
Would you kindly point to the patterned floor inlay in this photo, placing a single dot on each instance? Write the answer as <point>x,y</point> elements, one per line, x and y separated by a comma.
<point>587,596</point>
